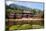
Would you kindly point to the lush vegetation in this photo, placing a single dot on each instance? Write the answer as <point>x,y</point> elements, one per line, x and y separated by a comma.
<point>20,27</point>
<point>24,27</point>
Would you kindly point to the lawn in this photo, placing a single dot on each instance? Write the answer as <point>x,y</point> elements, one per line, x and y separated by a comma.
<point>24,27</point>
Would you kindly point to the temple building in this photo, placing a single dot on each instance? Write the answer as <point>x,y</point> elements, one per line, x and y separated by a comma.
<point>24,14</point>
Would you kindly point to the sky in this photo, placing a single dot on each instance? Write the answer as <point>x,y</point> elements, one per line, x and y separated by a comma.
<point>28,4</point>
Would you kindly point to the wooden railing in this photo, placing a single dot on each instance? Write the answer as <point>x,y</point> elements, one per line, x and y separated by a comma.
<point>26,19</point>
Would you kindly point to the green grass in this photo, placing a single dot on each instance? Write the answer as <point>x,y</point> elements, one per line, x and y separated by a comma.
<point>14,27</point>
<point>20,27</point>
<point>25,27</point>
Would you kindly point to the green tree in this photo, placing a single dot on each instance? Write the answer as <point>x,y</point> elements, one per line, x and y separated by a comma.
<point>34,11</point>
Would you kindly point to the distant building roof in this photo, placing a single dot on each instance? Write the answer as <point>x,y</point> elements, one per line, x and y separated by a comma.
<point>27,11</point>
